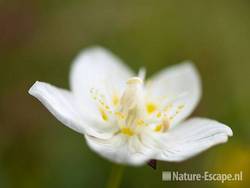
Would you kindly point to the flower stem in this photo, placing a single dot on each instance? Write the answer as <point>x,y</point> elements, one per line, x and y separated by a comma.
<point>115,176</point>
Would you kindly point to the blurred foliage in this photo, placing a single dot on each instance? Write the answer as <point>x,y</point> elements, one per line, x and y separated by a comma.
<point>39,39</point>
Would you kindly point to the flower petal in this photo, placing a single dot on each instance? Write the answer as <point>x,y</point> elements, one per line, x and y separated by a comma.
<point>180,84</point>
<point>192,137</point>
<point>97,68</point>
<point>121,149</point>
<point>62,104</point>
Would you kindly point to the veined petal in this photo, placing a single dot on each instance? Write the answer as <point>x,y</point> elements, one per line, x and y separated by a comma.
<point>97,68</point>
<point>63,105</point>
<point>121,149</point>
<point>180,85</point>
<point>192,137</point>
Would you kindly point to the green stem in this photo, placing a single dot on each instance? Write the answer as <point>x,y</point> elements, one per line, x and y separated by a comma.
<point>115,176</point>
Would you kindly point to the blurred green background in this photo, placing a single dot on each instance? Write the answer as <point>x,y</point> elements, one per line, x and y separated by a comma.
<point>39,39</point>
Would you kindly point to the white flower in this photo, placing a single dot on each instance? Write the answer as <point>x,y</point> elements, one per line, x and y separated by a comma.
<point>128,120</point>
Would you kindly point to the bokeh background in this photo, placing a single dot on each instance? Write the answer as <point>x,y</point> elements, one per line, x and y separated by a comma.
<point>39,39</point>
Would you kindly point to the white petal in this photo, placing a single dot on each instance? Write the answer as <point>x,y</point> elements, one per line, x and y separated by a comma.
<point>192,137</point>
<point>180,84</point>
<point>121,149</point>
<point>62,104</point>
<point>99,69</point>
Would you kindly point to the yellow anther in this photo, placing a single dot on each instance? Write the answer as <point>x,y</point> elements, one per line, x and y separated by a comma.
<point>158,115</point>
<point>163,126</point>
<point>151,107</point>
<point>140,122</point>
<point>104,114</point>
<point>101,102</point>
<point>158,128</point>
<point>115,100</point>
<point>127,131</point>
<point>120,115</point>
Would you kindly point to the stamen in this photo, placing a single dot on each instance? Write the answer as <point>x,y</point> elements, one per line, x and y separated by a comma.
<point>104,114</point>
<point>168,107</point>
<point>140,122</point>
<point>158,128</point>
<point>178,110</point>
<point>181,106</point>
<point>158,115</point>
<point>107,107</point>
<point>120,115</point>
<point>163,126</point>
<point>115,100</point>
<point>165,123</point>
<point>101,102</point>
<point>129,109</point>
<point>127,131</point>
<point>151,107</point>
